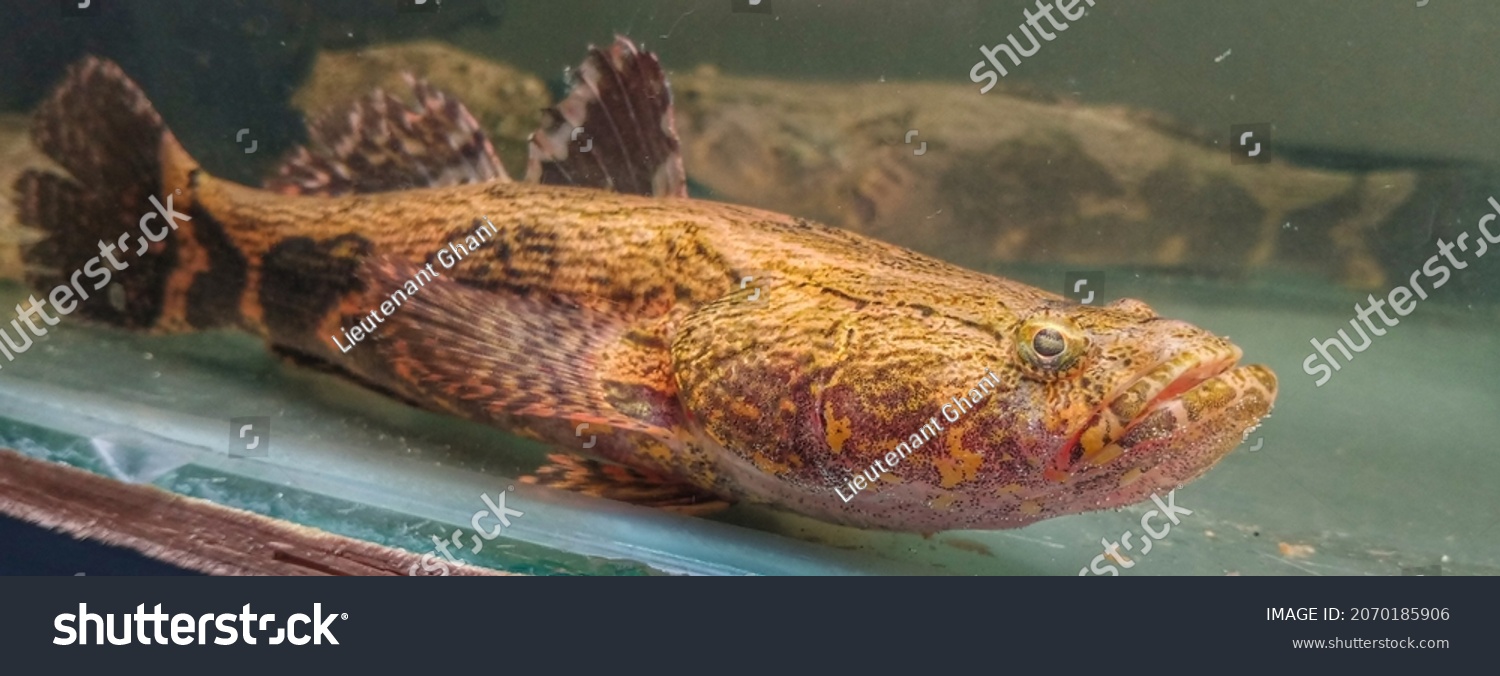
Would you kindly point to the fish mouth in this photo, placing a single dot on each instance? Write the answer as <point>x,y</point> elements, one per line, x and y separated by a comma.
<point>1172,400</point>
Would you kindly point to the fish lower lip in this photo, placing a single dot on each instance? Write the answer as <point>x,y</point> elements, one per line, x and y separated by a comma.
<point>1235,392</point>
<point>1160,406</point>
<point>1099,441</point>
<point>1181,386</point>
<point>1177,438</point>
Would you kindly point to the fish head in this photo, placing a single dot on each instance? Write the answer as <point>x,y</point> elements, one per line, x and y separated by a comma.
<point>1106,405</point>
<point>981,404</point>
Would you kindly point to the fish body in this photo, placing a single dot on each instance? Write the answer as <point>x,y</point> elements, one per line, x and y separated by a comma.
<point>742,354</point>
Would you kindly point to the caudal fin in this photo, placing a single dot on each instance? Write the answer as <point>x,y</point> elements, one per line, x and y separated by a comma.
<point>100,127</point>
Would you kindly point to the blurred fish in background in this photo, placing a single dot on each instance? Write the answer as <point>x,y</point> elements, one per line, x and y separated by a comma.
<point>1021,177</point>
<point>1016,176</point>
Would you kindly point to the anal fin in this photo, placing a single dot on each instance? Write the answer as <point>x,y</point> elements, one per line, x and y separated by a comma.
<point>625,484</point>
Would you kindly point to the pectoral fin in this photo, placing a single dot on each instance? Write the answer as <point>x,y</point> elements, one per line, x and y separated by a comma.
<point>490,355</point>
<point>495,356</point>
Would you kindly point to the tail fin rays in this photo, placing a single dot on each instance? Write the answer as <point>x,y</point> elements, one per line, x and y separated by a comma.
<point>101,128</point>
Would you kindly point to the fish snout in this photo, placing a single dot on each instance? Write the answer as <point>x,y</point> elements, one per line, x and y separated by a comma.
<point>1197,387</point>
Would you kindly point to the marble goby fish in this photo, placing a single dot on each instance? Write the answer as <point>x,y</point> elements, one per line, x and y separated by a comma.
<point>716,352</point>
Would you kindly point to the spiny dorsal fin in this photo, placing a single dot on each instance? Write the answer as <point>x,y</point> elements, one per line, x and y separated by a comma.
<point>379,144</point>
<point>628,143</point>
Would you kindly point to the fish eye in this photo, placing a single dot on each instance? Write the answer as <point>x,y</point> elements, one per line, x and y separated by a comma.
<point>1048,343</point>
<point>1051,346</point>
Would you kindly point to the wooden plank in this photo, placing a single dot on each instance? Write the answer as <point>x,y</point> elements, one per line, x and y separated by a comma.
<point>187,532</point>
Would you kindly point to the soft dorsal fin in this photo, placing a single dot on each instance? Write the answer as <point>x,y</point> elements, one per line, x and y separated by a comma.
<point>380,144</point>
<point>628,140</point>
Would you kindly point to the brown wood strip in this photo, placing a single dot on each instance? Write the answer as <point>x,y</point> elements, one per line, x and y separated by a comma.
<point>186,532</point>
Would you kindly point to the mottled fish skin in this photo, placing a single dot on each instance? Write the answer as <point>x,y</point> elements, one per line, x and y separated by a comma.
<point>753,355</point>
<point>851,346</point>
